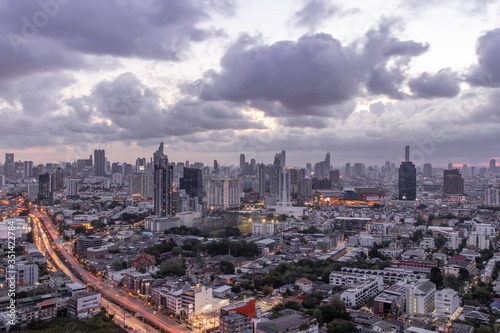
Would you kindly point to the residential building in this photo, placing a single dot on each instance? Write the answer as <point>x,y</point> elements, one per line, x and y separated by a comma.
<point>27,273</point>
<point>420,297</point>
<point>84,242</point>
<point>447,302</point>
<point>361,292</point>
<point>295,323</point>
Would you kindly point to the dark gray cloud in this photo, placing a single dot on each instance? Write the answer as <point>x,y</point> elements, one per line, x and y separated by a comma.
<point>311,73</point>
<point>315,12</point>
<point>136,110</point>
<point>384,78</point>
<point>47,35</point>
<point>487,72</point>
<point>444,83</point>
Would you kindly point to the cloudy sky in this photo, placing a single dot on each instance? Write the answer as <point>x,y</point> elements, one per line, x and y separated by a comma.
<point>213,78</point>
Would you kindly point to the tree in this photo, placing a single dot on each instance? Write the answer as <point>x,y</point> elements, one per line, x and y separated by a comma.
<point>177,250</point>
<point>124,264</point>
<point>226,267</point>
<point>463,274</point>
<point>142,269</point>
<point>342,327</point>
<point>417,236</point>
<point>173,267</point>
<point>437,277</point>
<point>80,230</point>
<point>29,236</point>
<point>440,241</point>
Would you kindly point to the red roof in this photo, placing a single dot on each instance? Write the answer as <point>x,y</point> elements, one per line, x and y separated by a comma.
<point>458,257</point>
<point>303,281</point>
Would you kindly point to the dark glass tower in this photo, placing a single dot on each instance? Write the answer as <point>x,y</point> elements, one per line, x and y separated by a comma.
<point>99,163</point>
<point>163,184</point>
<point>407,178</point>
<point>191,182</point>
<point>46,190</point>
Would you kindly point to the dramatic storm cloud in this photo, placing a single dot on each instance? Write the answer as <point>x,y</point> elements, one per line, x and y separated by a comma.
<point>216,78</point>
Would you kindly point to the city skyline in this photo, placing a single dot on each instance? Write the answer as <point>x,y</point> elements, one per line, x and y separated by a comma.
<point>359,79</point>
<point>267,161</point>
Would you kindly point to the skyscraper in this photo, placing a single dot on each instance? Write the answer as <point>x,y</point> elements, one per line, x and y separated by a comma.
<point>359,169</point>
<point>140,164</point>
<point>427,170</point>
<point>28,169</point>
<point>216,167</point>
<point>191,182</point>
<point>163,184</point>
<point>283,159</point>
<point>450,166</point>
<point>262,180</point>
<point>453,183</point>
<point>9,166</point>
<point>327,164</point>
<point>284,189</point>
<point>99,163</point>
<point>493,165</point>
<point>242,164</point>
<point>45,190</point>
<point>348,170</point>
<point>407,178</point>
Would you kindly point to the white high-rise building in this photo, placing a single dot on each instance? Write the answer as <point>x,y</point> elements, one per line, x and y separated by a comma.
<point>233,193</point>
<point>223,193</point>
<point>453,240</point>
<point>479,240</point>
<point>72,188</point>
<point>284,189</point>
<point>492,196</point>
<point>447,302</point>
<point>216,188</point>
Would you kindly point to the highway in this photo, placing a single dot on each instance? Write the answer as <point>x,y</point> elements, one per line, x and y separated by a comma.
<point>157,321</point>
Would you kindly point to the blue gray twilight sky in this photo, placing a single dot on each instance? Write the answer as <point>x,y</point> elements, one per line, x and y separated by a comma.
<point>214,78</point>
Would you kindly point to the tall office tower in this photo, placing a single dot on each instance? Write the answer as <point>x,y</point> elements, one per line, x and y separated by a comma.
<point>136,183</point>
<point>450,166</point>
<point>427,170</point>
<point>28,169</point>
<point>216,190</point>
<point>493,165</point>
<point>284,189</point>
<point>274,180</point>
<point>253,167</point>
<point>387,167</point>
<point>233,193</point>
<point>99,163</point>
<point>283,159</point>
<point>309,167</point>
<point>453,183</point>
<point>334,176</point>
<point>9,168</point>
<point>58,179</point>
<point>72,187</point>
<point>140,164</point>
<point>163,184</point>
<point>191,182</point>
<point>359,169</point>
<point>45,190</point>
<point>328,164</point>
<point>242,164</point>
<point>465,171</point>
<point>472,171</point>
<point>348,170</point>
<point>216,167</point>
<point>9,158</point>
<point>262,180</point>
<point>407,179</point>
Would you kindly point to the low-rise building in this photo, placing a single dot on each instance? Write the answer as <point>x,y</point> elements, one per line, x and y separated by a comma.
<point>420,297</point>
<point>359,293</point>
